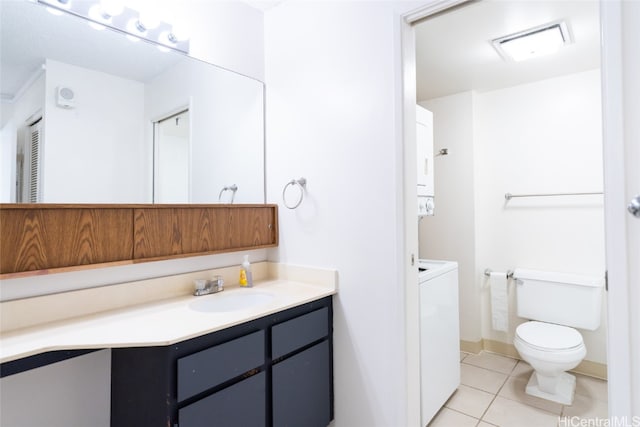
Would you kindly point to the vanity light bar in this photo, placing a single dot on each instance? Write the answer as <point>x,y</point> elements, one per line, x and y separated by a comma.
<point>127,22</point>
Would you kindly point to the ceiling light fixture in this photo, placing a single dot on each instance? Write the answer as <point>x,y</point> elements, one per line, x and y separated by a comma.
<point>534,42</point>
<point>113,14</point>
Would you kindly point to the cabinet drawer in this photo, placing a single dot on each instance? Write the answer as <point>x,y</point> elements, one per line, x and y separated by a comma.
<point>242,404</point>
<point>208,368</point>
<point>295,333</point>
<point>302,387</point>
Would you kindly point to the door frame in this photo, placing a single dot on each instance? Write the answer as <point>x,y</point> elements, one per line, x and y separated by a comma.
<point>622,330</point>
<point>410,195</point>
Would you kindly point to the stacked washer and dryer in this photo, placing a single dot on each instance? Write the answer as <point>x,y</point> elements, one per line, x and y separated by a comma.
<point>438,293</point>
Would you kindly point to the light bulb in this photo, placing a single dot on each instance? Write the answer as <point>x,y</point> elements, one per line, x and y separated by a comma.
<point>134,26</point>
<point>97,14</point>
<point>167,38</point>
<point>132,29</point>
<point>180,32</point>
<point>112,7</point>
<point>149,18</point>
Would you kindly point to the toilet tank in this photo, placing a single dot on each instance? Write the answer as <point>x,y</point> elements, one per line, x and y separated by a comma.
<point>560,298</point>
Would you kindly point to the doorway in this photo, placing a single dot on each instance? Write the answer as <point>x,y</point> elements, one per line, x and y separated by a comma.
<point>485,158</point>
<point>172,159</point>
<point>620,36</point>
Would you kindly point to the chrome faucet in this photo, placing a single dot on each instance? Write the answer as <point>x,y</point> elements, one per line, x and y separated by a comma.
<point>206,287</point>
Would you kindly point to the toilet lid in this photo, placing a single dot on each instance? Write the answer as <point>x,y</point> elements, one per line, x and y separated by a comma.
<point>548,336</point>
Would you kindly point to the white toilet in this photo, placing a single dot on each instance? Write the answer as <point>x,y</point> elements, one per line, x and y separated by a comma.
<point>556,303</point>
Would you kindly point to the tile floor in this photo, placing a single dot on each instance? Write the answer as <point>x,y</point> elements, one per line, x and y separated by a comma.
<point>491,393</point>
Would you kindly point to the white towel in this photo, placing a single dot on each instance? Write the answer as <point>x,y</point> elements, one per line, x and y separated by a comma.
<point>499,301</point>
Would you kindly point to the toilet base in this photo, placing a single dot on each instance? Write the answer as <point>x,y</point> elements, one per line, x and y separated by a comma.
<point>565,389</point>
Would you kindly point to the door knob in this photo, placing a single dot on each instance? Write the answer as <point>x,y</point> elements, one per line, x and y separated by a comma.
<point>634,206</point>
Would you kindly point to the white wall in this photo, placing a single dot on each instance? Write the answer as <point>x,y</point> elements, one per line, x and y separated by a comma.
<point>334,116</point>
<point>85,157</point>
<point>552,142</point>
<point>535,138</point>
<point>450,233</point>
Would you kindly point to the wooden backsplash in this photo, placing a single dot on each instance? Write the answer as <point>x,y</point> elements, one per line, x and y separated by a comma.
<point>41,238</point>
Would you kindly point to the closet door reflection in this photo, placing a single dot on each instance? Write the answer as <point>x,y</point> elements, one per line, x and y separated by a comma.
<point>172,159</point>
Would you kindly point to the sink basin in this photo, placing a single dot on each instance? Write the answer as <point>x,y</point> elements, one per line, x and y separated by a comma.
<point>218,303</point>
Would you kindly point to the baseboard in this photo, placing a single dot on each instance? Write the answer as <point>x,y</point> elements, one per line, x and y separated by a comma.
<point>500,347</point>
<point>586,367</point>
<point>474,347</point>
<point>592,369</point>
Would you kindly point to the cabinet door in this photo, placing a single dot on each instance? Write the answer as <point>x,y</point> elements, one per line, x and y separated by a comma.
<point>302,389</point>
<point>242,404</point>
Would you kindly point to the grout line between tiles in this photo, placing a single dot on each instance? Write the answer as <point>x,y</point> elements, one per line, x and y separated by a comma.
<point>497,393</point>
<point>460,412</point>
<point>486,410</point>
<point>493,400</point>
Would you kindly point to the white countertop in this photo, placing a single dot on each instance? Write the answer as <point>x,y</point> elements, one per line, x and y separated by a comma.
<point>154,324</point>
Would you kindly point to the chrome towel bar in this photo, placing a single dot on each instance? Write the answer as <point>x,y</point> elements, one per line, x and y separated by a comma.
<point>488,272</point>
<point>509,196</point>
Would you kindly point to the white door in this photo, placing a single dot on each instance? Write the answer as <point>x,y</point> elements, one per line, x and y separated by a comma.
<point>621,90</point>
<point>631,89</point>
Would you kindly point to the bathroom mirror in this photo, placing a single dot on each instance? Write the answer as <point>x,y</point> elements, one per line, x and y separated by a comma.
<point>89,116</point>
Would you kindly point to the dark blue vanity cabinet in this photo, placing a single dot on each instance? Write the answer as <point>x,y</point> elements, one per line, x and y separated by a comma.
<point>275,371</point>
<point>301,377</point>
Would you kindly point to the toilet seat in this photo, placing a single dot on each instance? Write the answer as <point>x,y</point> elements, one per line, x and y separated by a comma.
<point>549,337</point>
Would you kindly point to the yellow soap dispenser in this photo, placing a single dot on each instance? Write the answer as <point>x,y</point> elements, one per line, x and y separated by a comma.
<point>246,278</point>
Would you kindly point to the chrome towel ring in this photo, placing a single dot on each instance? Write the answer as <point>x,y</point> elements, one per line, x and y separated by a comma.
<point>233,188</point>
<point>301,184</point>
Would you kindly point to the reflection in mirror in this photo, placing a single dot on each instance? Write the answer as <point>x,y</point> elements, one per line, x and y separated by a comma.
<point>171,140</point>
<point>103,107</point>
